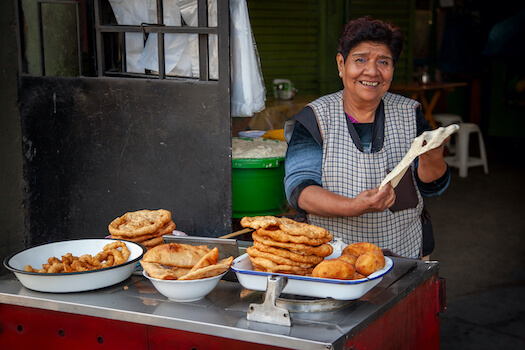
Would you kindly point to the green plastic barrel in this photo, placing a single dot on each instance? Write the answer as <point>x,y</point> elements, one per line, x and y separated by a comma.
<point>257,187</point>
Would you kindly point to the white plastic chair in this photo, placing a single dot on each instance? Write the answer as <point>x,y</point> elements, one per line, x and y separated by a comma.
<point>460,156</point>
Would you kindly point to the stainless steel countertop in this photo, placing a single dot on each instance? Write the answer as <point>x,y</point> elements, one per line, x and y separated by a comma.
<point>222,313</point>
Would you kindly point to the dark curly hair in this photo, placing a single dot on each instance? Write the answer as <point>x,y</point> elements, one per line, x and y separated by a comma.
<point>374,30</point>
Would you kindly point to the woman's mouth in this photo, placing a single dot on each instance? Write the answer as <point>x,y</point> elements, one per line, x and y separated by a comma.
<point>369,83</point>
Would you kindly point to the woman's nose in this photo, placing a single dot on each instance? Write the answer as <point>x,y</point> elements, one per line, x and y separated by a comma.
<point>371,68</point>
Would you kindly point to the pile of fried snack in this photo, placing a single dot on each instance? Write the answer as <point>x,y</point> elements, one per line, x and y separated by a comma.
<point>173,261</point>
<point>112,254</point>
<point>282,245</point>
<point>143,226</point>
<point>358,260</point>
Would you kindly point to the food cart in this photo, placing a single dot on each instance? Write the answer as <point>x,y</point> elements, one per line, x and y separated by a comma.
<point>402,311</point>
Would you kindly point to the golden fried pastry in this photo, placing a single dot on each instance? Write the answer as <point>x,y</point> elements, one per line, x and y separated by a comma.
<point>209,259</point>
<point>160,272</point>
<point>284,245</point>
<point>139,222</point>
<point>150,243</point>
<point>288,226</point>
<point>349,258</point>
<point>370,262</point>
<point>209,271</point>
<point>281,236</point>
<point>207,265</point>
<point>302,229</point>
<point>279,260</point>
<point>322,250</point>
<point>167,229</point>
<point>265,265</point>
<point>285,253</point>
<point>334,268</point>
<point>174,254</point>
<point>144,226</point>
<point>257,222</point>
<point>360,248</point>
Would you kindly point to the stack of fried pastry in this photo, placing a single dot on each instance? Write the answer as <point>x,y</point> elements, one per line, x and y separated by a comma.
<point>173,261</point>
<point>357,261</point>
<point>282,245</point>
<point>143,226</point>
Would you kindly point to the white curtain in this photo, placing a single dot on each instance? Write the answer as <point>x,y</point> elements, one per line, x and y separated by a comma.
<point>248,94</point>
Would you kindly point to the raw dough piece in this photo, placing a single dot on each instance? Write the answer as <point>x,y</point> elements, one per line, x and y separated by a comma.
<point>433,140</point>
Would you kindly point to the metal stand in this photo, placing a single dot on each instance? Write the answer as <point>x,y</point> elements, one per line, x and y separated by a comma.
<point>268,312</point>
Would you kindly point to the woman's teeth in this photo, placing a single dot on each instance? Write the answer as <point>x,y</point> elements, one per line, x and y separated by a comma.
<point>370,83</point>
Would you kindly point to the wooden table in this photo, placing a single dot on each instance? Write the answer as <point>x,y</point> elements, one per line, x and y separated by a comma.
<point>419,92</point>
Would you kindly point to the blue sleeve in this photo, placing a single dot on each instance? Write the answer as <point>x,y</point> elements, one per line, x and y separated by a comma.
<point>435,188</point>
<point>303,164</point>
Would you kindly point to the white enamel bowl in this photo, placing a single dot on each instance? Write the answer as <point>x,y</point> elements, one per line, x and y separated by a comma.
<point>185,291</point>
<point>71,281</point>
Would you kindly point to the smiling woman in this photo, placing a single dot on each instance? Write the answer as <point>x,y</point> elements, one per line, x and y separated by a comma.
<point>342,145</point>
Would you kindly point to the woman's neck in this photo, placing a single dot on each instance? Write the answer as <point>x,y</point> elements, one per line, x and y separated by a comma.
<point>362,115</point>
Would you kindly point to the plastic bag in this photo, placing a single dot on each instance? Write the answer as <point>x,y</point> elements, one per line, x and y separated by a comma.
<point>248,94</point>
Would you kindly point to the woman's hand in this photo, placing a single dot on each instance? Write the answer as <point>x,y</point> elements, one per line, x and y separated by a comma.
<point>432,164</point>
<point>319,201</point>
<point>376,200</point>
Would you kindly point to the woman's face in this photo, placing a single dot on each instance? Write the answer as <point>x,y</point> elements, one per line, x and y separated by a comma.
<point>367,72</point>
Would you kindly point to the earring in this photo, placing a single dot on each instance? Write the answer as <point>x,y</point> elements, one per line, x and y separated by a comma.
<point>340,73</point>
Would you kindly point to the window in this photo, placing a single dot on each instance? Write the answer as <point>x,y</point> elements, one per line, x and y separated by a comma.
<point>159,39</point>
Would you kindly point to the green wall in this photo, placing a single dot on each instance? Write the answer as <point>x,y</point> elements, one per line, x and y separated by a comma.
<point>297,39</point>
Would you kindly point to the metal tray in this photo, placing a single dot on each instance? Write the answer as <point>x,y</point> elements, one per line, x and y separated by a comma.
<point>309,286</point>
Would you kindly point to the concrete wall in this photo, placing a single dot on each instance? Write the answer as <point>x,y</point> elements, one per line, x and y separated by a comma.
<point>11,209</point>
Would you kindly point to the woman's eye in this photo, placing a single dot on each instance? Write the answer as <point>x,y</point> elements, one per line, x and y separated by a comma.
<point>361,60</point>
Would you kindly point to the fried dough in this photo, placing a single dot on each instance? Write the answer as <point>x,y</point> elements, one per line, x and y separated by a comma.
<point>254,252</point>
<point>160,272</point>
<point>334,268</point>
<point>349,258</point>
<point>137,239</point>
<point>285,253</point>
<point>360,248</point>
<point>302,229</point>
<point>150,243</point>
<point>139,222</point>
<point>174,254</point>
<point>167,229</point>
<point>257,222</point>
<point>265,265</point>
<point>112,254</point>
<point>209,271</point>
<point>209,259</point>
<point>370,262</point>
<point>322,250</point>
<point>288,226</point>
<point>281,236</point>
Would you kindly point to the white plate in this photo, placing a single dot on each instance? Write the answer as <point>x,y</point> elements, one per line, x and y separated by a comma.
<point>310,286</point>
<point>71,281</point>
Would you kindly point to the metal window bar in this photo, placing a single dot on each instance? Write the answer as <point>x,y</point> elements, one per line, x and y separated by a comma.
<point>202,6</point>
<point>41,32</point>
<point>147,28</point>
